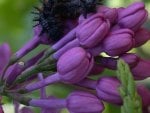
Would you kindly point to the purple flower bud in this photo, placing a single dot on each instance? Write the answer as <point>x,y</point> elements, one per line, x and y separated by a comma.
<point>142,35</point>
<point>107,90</point>
<point>116,43</point>
<point>82,102</point>
<point>92,30</point>
<point>4,55</point>
<point>141,70</point>
<point>110,13</point>
<point>12,72</point>
<point>133,16</point>
<point>145,96</point>
<point>16,69</point>
<point>73,66</point>
<point>131,59</point>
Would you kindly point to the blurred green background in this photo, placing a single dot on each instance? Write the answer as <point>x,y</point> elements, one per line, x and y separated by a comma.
<point>16,29</point>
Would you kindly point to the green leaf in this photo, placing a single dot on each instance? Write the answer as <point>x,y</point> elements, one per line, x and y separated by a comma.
<point>127,89</point>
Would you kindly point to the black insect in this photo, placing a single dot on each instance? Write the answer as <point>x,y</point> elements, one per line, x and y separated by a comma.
<point>53,13</point>
<point>89,6</point>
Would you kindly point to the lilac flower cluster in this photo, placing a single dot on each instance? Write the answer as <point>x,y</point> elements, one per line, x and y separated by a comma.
<point>75,57</point>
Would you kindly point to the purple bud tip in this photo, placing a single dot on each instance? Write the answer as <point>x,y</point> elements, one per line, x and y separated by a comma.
<point>141,36</point>
<point>107,90</point>
<point>133,16</point>
<point>145,96</point>
<point>83,102</point>
<point>141,70</point>
<point>131,59</point>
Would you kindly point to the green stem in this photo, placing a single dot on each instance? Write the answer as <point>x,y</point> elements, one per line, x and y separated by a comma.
<point>33,70</point>
<point>21,99</point>
<point>47,54</point>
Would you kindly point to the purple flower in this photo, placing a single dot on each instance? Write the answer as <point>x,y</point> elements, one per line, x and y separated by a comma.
<point>12,72</point>
<point>92,31</point>
<point>131,59</point>
<point>4,56</point>
<point>83,102</point>
<point>145,96</point>
<point>141,70</point>
<point>116,43</point>
<point>133,16</point>
<point>74,63</point>
<point>16,69</point>
<point>107,90</point>
<point>142,35</point>
<point>73,66</point>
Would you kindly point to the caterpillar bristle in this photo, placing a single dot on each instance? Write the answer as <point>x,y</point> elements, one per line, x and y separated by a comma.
<point>37,8</point>
<point>36,13</point>
<point>36,19</point>
<point>36,25</point>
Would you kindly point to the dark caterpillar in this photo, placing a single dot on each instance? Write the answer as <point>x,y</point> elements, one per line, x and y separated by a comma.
<point>53,13</point>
